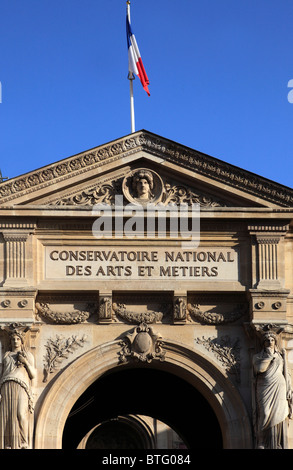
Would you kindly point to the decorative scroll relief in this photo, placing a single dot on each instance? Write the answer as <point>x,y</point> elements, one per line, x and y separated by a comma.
<point>141,186</point>
<point>84,263</point>
<point>99,194</point>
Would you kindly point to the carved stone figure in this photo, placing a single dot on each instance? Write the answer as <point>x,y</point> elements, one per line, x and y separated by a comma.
<point>16,406</point>
<point>142,184</point>
<point>272,395</point>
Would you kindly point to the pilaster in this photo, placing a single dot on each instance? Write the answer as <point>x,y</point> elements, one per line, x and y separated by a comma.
<point>17,253</point>
<point>267,255</point>
<point>15,259</point>
<point>268,298</point>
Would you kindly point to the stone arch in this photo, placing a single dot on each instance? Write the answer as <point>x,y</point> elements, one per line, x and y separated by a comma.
<point>190,364</point>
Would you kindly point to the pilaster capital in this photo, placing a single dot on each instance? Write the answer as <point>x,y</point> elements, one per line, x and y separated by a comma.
<point>15,236</point>
<point>263,239</point>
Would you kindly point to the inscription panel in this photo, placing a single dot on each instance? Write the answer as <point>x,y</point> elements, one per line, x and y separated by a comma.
<point>134,263</point>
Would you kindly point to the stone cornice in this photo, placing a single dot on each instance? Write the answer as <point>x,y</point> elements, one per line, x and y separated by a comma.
<point>80,211</point>
<point>154,145</point>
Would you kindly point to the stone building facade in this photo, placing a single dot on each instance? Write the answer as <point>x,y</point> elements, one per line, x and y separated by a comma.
<point>143,282</point>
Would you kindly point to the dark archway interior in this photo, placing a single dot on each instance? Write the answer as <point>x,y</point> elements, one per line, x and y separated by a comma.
<point>116,434</point>
<point>145,391</point>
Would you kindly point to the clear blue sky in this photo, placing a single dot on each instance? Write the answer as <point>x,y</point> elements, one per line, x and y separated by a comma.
<point>218,70</point>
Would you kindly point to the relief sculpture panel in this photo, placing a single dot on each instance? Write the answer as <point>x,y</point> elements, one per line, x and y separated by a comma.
<point>142,186</point>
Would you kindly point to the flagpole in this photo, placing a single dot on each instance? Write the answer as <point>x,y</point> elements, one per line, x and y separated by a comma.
<point>131,77</point>
<point>132,118</point>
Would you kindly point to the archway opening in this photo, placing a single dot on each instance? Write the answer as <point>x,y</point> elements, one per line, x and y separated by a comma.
<point>123,432</point>
<point>143,391</point>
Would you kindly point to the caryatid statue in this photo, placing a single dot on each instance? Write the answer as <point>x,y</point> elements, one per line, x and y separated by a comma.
<point>272,395</point>
<point>16,404</point>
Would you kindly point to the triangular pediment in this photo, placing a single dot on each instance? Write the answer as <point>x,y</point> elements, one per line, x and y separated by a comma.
<point>178,173</point>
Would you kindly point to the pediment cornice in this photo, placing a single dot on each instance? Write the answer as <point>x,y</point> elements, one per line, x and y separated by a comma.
<point>115,151</point>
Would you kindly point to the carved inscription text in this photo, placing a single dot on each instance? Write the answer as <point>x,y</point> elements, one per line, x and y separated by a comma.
<point>110,263</point>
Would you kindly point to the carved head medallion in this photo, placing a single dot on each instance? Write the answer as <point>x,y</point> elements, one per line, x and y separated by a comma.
<point>142,186</point>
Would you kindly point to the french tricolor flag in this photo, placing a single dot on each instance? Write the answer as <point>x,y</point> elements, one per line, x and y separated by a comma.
<point>134,59</point>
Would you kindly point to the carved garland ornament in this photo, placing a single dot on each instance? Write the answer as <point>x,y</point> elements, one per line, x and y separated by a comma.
<point>213,318</point>
<point>142,345</point>
<point>65,318</point>
<point>148,317</point>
